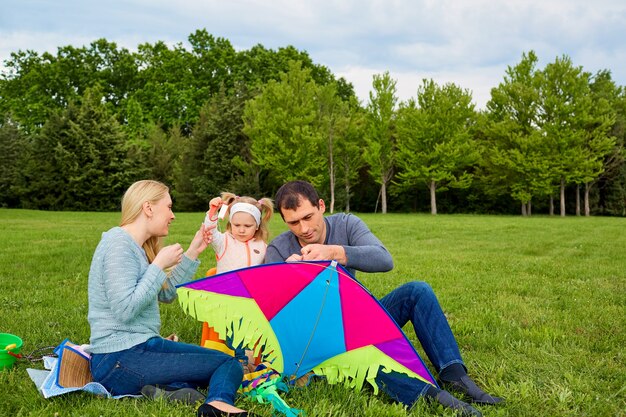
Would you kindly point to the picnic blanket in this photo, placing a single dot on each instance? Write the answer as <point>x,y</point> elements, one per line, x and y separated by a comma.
<point>69,372</point>
<point>46,381</point>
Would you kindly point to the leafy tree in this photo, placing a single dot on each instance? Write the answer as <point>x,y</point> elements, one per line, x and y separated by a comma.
<point>258,65</point>
<point>612,183</point>
<point>434,141</point>
<point>34,86</point>
<point>162,152</point>
<point>605,128</point>
<point>12,143</point>
<point>282,125</point>
<point>25,90</point>
<point>349,149</point>
<point>514,152</point>
<point>332,112</point>
<point>565,112</point>
<point>78,160</point>
<point>380,151</point>
<point>209,161</point>
<point>166,93</point>
<point>212,65</point>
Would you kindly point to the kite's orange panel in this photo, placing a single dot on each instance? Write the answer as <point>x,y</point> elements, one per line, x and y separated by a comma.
<point>211,339</point>
<point>208,333</point>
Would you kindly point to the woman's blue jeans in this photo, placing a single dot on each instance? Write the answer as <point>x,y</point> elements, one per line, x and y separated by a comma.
<point>416,302</point>
<point>162,361</point>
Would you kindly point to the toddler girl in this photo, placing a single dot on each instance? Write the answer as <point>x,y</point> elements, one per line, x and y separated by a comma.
<point>245,241</point>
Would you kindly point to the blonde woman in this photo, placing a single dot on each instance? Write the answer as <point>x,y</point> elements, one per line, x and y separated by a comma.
<point>126,280</point>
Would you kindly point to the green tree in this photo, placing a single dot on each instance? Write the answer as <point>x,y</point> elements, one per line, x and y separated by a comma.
<point>162,151</point>
<point>25,90</point>
<point>605,134</point>
<point>611,188</point>
<point>434,141</point>
<point>33,86</point>
<point>166,92</point>
<point>380,151</point>
<point>349,149</point>
<point>216,154</point>
<point>565,112</point>
<point>332,112</point>
<point>78,160</point>
<point>12,143</point>
<point>282,125</point>
<point>515,159</point>
<point>258,65</point>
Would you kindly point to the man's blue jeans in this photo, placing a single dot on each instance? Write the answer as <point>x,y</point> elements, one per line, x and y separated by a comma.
<point>161,361</point>
<point>416,302</point>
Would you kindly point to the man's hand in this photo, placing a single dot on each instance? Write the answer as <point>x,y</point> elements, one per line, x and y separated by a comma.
<point>294,258</point>
<point>318,252</point>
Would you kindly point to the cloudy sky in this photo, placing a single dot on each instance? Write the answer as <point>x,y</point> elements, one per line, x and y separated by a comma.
<point>467,42</point>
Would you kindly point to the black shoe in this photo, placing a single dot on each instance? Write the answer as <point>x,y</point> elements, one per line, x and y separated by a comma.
<point>207,410</point>
<point>184,395</point>
<point>469,387</point>
<point>447,400</point>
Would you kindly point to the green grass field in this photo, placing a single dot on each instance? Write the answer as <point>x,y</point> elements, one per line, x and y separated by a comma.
<point>538,306</point>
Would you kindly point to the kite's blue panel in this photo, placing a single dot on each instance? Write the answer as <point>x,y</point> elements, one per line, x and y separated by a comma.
<point>319,325</point>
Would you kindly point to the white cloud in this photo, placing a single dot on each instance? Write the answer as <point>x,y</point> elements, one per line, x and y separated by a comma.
<point>468,42</point>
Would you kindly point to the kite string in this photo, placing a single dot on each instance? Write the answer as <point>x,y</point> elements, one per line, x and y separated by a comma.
<point>319,315</point>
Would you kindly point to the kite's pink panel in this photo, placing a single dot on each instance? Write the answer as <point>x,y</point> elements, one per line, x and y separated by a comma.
<point>401,351</point>
<point>365,321</point>
<point>291,278</point>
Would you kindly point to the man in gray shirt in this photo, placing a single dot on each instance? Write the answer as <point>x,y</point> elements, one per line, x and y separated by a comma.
<point>346,239</point>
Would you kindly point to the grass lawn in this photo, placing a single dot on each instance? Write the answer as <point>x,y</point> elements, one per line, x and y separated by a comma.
<point>538,306</point>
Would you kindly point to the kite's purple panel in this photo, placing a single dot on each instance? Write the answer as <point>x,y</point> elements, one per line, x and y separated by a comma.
<point>264,283</point>
<point>365,321</point>
<point>228,284</point>
<point>403,352</point>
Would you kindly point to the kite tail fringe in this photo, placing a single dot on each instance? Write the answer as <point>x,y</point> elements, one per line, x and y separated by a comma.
<point>228,320</point>
<point>355,367</point>
<point>351,376</point>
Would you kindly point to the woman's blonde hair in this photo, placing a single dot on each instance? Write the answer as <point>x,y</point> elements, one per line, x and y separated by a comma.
<point>265,205</point>
<point>132,206</point>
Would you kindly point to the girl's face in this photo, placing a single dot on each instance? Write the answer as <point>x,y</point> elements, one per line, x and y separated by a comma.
<point>242,226</point>
<point>162,216</point>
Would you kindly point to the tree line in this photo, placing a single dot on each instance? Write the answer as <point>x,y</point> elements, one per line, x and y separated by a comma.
<point>78,127</point>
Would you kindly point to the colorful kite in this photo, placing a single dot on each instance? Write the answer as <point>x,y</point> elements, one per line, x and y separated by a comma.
<point>305,316</point>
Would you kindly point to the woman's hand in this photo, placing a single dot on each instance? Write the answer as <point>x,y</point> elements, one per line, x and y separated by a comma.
<point>200,241</point>
<point>169,256</point>
<point>207,234</point>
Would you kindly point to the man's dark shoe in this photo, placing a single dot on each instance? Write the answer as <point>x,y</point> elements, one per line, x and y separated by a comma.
<point>184,395</point>
<point>469,387</point>
<point>447,400</point>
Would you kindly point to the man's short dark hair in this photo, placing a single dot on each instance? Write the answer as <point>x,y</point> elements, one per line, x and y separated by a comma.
<point>288,196</point>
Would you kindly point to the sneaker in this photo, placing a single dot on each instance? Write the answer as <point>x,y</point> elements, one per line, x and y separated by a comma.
<point>184,395</point>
